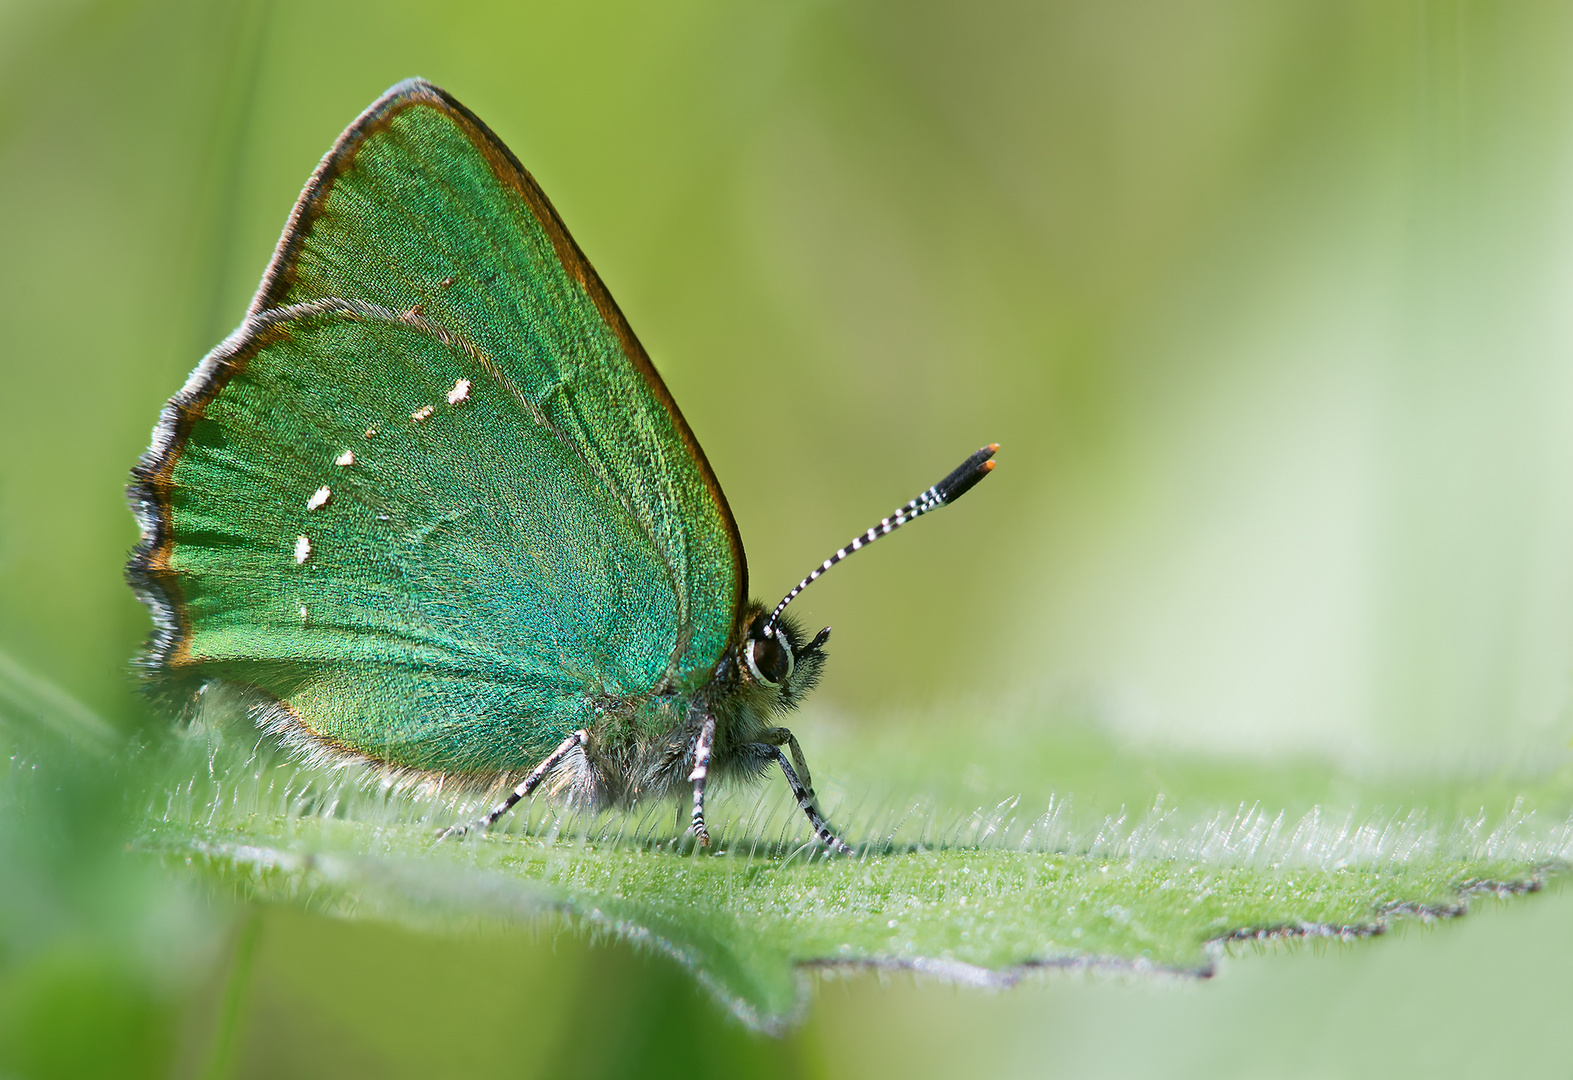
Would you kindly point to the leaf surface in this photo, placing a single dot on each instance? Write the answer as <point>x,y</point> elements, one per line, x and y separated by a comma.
<point>980,894</point>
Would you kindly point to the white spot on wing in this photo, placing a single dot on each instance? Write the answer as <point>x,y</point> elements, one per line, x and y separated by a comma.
<point>302,550</point>
<point>421,413</point>
<point>460,391</point>
<point>303,613</point>
<point>345,459</point>
<point>319,498</point>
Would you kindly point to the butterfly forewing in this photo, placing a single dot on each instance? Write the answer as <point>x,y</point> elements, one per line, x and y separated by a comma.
<point>431,494</point>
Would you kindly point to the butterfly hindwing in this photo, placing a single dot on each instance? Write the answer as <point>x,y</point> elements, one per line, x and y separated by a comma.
<point>432,496</point>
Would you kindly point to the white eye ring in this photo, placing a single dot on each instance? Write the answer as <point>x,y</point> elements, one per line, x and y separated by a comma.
<point>753,668</point>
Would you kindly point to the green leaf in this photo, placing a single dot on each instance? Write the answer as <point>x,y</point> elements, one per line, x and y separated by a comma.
<point>980,891</point>
<point>977,891</point>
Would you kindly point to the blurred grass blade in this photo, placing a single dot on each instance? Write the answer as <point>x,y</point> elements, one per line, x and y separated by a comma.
<point>28,701</point>
<point>221,1061</point>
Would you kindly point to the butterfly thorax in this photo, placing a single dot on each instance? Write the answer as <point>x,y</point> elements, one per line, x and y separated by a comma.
<point>643,748</point>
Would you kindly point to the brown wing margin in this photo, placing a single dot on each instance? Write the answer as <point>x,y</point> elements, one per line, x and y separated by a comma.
<point>148,570</point>
<point>149,491</point>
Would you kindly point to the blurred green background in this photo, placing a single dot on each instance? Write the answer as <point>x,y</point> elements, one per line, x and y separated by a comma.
<point>1266,304</point>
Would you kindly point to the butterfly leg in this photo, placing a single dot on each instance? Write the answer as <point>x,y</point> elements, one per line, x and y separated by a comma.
<point>805,803</point>
<point>702,747</point>
<point>529,784</point>
<point>779,736</point>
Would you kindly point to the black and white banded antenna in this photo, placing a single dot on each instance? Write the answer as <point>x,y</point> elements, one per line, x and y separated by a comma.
<point>959,481</point>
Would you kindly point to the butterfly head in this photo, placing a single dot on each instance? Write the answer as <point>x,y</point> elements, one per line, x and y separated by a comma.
<point>769,657</point>
<point>777,658</point>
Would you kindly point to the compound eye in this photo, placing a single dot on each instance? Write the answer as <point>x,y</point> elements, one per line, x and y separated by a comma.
<point>769,658</point>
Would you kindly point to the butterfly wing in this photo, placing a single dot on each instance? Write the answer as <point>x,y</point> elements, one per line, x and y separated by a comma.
<point>431,498</point>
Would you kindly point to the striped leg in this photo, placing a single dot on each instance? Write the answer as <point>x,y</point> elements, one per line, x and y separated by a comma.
<point>529,784</point>
<point>702,746</point>
<point>805,802</point>
<point>780,736</point>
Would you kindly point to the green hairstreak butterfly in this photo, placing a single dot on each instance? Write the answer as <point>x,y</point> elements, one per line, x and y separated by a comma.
<point>431,508</point>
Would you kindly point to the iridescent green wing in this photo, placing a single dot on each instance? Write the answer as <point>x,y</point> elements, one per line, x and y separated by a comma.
<point>431,496</point>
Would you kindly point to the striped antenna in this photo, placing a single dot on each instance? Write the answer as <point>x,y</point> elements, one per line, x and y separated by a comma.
<point>954,486</point>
